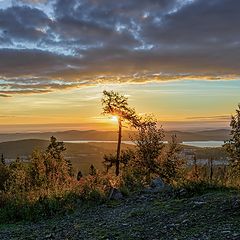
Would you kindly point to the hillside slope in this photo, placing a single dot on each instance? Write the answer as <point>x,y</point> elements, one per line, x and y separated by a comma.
<point>213,215</point>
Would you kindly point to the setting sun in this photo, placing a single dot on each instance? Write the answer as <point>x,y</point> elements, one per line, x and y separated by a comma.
<point>114,119</point>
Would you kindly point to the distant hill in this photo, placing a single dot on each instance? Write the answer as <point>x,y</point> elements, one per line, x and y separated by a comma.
<point>82,155</point>
<point>209,135</point>
<point>214,135</point>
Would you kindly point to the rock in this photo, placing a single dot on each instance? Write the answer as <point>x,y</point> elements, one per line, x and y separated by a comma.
<point>50,235</point>
<point>235,203</point>
<point>157,186</point>
<point>115,194</point>
<point>157,183</point>
<point>199,203</point>
<point>226,232</point>
<point>181,192</point>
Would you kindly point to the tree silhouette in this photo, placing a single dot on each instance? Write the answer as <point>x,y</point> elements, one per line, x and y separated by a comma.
<point>3,160</point>
<point>233,144</point>
<point>79,175</point>
<point>149,146</point>
<point>4,173</point>
<point>92,170</point>
<point>109,161</point>
<point>117,105</point>
<point>171,162</point>
<point>55,148</point>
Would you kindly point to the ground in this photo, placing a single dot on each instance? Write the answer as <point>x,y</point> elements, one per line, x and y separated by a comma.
<point>213,215</point>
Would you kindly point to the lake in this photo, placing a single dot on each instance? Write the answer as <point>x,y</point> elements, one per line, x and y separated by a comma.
<point>97,141</point>
<point>204,143</point>
<point>190,143</point>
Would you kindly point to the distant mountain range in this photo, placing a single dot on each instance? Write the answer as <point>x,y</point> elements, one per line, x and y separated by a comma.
<point>73,135</point>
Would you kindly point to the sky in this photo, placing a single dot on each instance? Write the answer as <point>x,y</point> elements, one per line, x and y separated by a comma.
<point>176,59</point>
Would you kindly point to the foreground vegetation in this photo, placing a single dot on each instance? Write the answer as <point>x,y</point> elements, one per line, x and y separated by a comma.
<point>46,186</point>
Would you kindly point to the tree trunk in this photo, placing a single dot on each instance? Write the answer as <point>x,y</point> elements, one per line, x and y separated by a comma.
<point>211,169</point>
<point>119,145</point>
<point>195,168</point>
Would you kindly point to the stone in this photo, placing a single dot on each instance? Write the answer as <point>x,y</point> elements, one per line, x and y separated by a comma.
<point>199,203</point>
<point>157,183</point>
<point>157,186</point>
<point>181,192</point>
<point>115,194</point>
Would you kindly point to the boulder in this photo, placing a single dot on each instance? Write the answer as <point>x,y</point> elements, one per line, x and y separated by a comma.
<point>157,183</point>
<point>158,186</point>
<point>115,194</point>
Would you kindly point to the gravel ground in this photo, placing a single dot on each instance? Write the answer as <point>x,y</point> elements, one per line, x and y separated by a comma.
<point>213,215</point>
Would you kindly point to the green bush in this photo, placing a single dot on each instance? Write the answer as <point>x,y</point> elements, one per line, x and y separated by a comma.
<point>192,188</point>
<point>45,207</point>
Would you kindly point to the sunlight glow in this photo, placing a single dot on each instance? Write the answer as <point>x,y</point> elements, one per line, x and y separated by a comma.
<point>114,119</point>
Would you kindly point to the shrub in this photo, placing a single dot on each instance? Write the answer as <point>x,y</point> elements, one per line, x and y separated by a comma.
<point>171,165</point>
<point>192,188</point>
<point>149,146</point>
<point>96,187</point>
<point>18,180</point>
<point>4,175</point>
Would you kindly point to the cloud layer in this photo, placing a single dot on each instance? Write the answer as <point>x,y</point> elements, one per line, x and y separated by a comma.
<point>58,44</point>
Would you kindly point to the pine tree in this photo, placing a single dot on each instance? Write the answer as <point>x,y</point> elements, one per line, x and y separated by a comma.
<point>172,163</point>
<point>3,160</point>
<point>233,144</point>
<point>79,175</point>
<point>117,105</point>
<point>92,170</point>
<point>55,148</point>
<point>70,167</point>
<point>149,146</point>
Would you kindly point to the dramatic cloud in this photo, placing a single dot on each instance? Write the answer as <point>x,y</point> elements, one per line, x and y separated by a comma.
<point>57,44</point>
